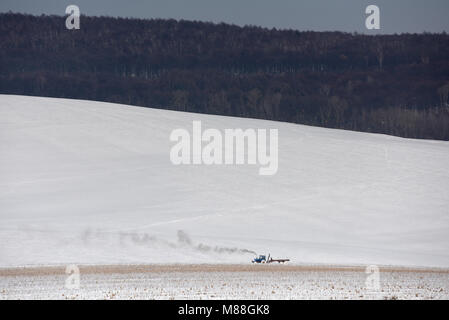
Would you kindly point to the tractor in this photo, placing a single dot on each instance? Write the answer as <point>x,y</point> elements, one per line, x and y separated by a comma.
<point>260,259</point>
<point>263,259</point>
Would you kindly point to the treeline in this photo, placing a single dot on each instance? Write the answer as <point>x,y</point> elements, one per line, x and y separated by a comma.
<point>393,84</point>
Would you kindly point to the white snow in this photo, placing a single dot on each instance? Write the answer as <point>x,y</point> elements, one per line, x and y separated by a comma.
<point>225,285</point>
<point>92,183</point>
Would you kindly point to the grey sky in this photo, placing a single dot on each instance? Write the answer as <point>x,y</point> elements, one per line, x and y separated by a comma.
<point>397,16</point>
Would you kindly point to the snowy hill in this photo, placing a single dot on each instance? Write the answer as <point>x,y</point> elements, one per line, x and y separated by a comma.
<point>92,183</point>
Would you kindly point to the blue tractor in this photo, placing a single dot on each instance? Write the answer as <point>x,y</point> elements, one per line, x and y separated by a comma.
<point>261,259</point>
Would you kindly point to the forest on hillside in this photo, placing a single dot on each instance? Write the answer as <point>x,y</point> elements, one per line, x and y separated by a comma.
<point>393,84</point>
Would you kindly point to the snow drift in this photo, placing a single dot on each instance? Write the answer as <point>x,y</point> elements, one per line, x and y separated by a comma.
<point>92,183</point>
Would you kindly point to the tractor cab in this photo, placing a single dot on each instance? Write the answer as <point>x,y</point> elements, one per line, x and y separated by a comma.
<point>260,259</point>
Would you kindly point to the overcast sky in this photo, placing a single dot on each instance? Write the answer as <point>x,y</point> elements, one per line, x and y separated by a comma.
<point>396,16</point>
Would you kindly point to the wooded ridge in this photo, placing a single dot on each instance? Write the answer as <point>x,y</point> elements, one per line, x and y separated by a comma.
<point>393,84</point>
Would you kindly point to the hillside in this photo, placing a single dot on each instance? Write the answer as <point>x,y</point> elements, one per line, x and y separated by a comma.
<point>392,84</point>
<point>92,183</point>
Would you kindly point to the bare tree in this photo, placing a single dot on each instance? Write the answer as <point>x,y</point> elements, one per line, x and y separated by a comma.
<point>443,92</point>
<point>380,55</point>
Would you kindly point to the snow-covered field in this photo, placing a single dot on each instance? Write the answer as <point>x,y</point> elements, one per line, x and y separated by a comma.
<point>92,183</point>
<point>228,282</point>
